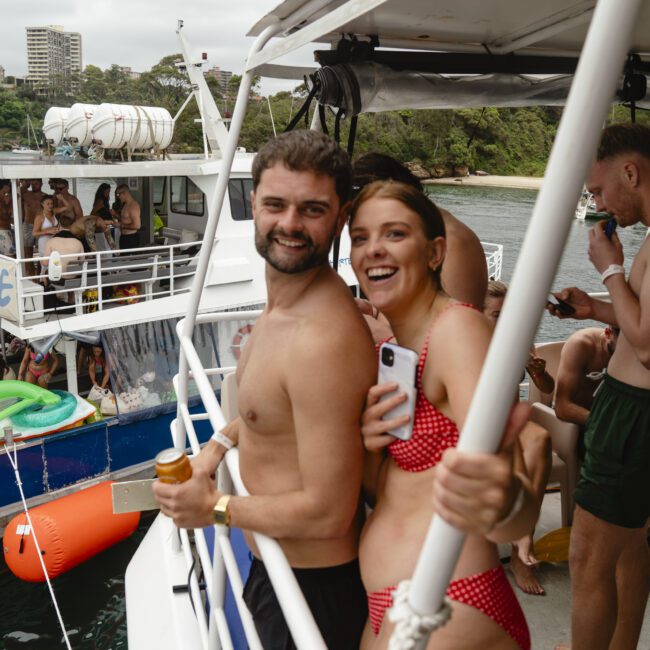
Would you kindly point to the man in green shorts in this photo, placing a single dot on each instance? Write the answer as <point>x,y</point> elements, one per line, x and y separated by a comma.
<point>610,567</point>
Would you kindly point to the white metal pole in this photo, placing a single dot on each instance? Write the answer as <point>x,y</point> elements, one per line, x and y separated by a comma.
<point>593,88</point>
<point>216,203</point>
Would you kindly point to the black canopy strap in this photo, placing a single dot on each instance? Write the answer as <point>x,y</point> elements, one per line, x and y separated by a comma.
<point>337,124</point>
<point>352,135</point>
<point>323,119</point>
<point>304,111</point>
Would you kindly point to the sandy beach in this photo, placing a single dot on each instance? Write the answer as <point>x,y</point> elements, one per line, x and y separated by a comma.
<point>521,182</point>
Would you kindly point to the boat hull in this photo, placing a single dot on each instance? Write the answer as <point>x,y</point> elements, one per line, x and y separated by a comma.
<point>66,461</point>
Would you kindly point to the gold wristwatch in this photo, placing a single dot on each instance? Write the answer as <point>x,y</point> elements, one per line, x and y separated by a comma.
<point>220,513</point>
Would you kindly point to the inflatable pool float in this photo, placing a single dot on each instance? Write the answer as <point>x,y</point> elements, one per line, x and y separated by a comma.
<point>40,411</point>
<point>45,415</point>
<point>28,395</point>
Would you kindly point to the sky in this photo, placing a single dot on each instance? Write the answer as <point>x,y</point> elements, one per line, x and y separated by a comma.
<point>138,33</point>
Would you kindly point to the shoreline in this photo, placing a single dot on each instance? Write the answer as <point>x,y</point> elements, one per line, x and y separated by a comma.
<point>516,182</point>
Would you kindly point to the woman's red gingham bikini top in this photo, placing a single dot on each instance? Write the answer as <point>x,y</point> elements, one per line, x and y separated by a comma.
<point>433,432</point>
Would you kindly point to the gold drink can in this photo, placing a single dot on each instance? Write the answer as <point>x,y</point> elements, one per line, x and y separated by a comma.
<point>173,466</point>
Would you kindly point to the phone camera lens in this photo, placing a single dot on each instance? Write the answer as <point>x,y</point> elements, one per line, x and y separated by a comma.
<point>387,356</point>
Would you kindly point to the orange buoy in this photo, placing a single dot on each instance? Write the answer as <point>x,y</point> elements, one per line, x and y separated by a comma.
<point>70,530</point>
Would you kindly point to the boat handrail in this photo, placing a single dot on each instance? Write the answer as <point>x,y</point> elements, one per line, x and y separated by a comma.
<point>290,597</point>
<point>494,259</point>
<point>158,269</point>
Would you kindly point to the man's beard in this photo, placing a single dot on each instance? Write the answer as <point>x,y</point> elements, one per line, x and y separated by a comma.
<point>312,256</point>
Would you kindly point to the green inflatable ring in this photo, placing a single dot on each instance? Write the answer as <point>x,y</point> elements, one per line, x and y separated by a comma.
<point>27,394</point>
<point>40,416</point>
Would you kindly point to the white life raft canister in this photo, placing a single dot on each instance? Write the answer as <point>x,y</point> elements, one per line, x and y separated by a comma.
<point>54,125</point>
<point>115,126</point>
<point>78,127</point>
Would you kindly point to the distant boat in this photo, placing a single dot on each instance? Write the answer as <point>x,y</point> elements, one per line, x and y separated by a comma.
<point>581,208</point>
<point>26,150</point>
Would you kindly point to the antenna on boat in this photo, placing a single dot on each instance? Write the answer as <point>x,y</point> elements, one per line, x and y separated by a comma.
<point>214,128</point>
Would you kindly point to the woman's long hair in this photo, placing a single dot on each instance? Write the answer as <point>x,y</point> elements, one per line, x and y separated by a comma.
<point>100,196</point>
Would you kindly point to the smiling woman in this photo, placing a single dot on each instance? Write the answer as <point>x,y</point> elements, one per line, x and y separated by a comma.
<point>398,246</point>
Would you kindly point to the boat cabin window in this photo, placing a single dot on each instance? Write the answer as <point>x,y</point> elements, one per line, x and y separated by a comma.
<point>186,197</point>
<point>159,186</point>
<point>239,190</point>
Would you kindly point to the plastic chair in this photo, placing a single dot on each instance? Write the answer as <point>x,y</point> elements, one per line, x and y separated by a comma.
<point>550,352</point>
<point>565,464</point>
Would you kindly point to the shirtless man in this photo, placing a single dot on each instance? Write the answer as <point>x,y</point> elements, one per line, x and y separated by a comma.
<point>66,203</point>
<point>31,203</point>
<point>129,221</point>
<point>608,555</point>
<point>300,458</point>
<point>584,358</point>
<point>6,215</point>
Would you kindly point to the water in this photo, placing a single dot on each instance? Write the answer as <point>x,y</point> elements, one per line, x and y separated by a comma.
<point>501,216</point>
<point>92,596</point>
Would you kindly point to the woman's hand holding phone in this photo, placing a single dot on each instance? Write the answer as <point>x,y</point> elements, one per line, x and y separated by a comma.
<point>374,427</point>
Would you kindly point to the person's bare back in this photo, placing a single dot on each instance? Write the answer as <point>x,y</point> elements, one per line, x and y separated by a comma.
<point>584,356</point>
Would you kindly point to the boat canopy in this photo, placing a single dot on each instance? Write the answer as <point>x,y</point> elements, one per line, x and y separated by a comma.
<point>388,55</point>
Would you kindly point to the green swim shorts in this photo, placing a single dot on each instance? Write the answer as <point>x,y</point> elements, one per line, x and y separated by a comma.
<point>614,480</point>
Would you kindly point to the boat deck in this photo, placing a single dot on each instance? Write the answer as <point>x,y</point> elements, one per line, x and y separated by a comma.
<point>549,616</point>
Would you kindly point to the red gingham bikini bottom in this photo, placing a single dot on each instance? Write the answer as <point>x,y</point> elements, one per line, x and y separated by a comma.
<point>489,592</point>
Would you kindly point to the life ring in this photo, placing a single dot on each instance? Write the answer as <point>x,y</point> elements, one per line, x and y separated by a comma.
<point>238,340</point>
<point>30,394</point>
<point>38,415</point>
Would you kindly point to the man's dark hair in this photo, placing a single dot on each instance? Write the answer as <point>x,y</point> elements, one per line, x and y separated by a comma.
<point>305,150</point>
<point>375,166</point>
<point>66,220</point>
<point>624,138</point>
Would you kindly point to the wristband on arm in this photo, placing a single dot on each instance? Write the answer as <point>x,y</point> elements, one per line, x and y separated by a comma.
<point>612,269</point>
<point>224,441</point>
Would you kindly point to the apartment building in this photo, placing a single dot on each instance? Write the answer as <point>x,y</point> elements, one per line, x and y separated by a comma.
<point>222,76</point>
<point>53,55</point>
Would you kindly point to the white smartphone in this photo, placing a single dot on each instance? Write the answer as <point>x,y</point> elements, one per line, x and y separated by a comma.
<point>399,365</point>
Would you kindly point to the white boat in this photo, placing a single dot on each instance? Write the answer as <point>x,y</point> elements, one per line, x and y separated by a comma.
<point>443,55</point>
<point>132,300</point>
<point>583,204</point>
<point>26,150</point>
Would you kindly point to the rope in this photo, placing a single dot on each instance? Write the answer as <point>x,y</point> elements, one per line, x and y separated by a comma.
<point>412,627</point>
<point>19,483</point>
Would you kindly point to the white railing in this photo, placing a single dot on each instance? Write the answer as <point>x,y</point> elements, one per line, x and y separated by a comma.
<point>494,259</point>
<point>214,630</point>
<point>92,280</point>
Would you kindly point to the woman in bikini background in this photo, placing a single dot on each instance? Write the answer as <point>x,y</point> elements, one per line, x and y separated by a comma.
<point>398,247</point>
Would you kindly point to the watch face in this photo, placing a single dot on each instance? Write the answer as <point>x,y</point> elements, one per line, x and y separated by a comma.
<point>220,512</point>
